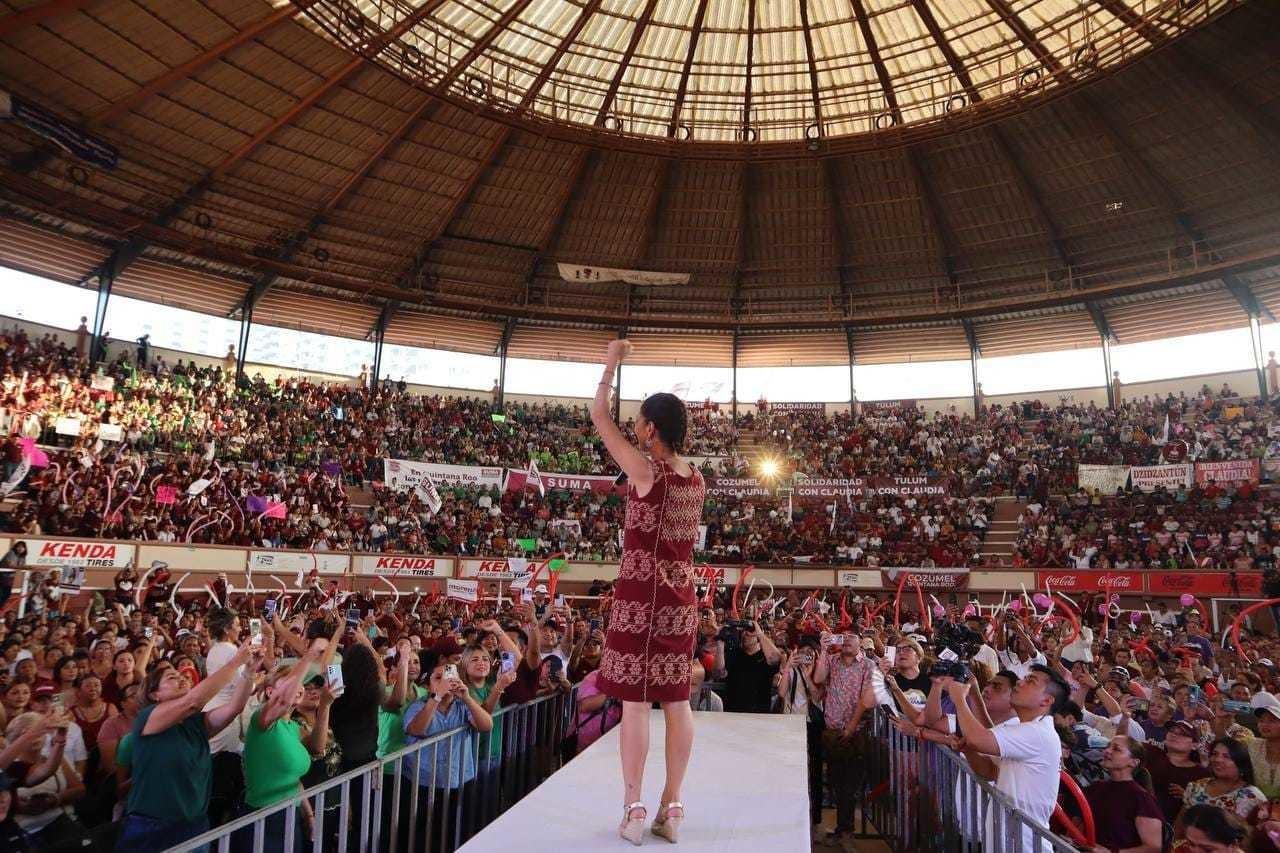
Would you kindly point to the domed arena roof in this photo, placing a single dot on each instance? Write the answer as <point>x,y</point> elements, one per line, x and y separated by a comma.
<point>807,167</point>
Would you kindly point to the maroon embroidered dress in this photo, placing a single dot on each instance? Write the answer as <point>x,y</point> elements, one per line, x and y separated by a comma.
<point>648,651</point>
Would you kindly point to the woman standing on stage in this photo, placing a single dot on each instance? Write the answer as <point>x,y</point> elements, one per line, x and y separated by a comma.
<point>649,647</point>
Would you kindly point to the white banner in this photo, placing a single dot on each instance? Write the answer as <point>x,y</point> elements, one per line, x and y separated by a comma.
<point>1149,477</point>
<point>19,474</point>
<point>67,426</point>
<point>403,474</point>
<point>1105,478</point>
<point>62,552</point>
<point>578,272</point>
<point>198,486</point>
<point>111,432</point>
<point>404,564</point>
<point>429,494</point>
<point>494,570</point>
<point>861,579</point>
<point>566,526</point>
<point>103,383</point>
<point>461,590</point>
<point>298,561</point>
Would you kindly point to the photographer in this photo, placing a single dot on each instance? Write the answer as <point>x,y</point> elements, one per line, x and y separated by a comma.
<point>1027,754</point>
<point>749,660</point>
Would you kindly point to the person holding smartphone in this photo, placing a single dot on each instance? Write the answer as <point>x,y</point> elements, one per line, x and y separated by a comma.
<point>448,706</point>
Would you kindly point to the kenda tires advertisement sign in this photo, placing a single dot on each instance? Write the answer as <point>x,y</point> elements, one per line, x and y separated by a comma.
<point>64,552</point>
<point>404,565</point>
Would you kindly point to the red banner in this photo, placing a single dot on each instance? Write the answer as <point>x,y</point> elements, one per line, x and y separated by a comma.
<point>1232,472</point>
<point>737,487</point>
<point>1211,584</point>
<point>934,580</point>
<point>918,486</point>
<point>1073,580</point>
<point>600,484</point>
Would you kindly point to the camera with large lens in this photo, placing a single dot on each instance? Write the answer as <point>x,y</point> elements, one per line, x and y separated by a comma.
<point>962,644</point>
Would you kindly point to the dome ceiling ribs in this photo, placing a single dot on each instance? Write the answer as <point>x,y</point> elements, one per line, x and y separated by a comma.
<point>649,229</point>
<point>835,216</point>
<point>642,24</point>
<point>38,14</point>
<point>548,67</point>
<point>550,236</point>
<point>814,92</point>
<point>877,61</point>
<point>748,80</point>
<point>683,89</point>
<point>742,249</point>
<point>1015,164</point>
<point>124,256</point>
<point>43,153</point>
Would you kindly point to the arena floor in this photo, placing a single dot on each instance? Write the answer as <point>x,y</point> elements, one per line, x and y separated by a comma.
<point>745,792</point>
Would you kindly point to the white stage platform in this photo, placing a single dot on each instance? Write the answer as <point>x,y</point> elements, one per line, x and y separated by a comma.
<point>746,791</point>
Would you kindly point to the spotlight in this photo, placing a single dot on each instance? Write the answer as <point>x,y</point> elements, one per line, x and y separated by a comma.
<point>768,468</point>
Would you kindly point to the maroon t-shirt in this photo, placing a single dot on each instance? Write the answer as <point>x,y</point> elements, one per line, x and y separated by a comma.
<point>1164,774</point>
<point>1116,807</point>
<point>524,688</point>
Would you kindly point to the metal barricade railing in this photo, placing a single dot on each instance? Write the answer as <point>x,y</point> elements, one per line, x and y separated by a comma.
<point>920,796</point>
<point>432,795</point>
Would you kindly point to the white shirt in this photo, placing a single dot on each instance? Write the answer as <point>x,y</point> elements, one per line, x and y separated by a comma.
<point>1019,667</point>
<point>1081,648</point>
<point>1028,764</point>
<point>229,739</point>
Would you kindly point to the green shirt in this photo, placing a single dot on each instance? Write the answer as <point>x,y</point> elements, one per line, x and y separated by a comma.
<point>172,769</point>
<point>391,723</point>
<point>481,695</point>
<point>275,760</point>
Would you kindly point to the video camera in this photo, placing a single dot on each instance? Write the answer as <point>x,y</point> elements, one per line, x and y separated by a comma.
<point>955,645</point>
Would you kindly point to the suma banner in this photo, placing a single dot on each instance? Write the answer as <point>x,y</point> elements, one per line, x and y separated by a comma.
<point>576,483</point>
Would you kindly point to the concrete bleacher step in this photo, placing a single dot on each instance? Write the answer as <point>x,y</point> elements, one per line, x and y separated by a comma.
<point>1003,532</point>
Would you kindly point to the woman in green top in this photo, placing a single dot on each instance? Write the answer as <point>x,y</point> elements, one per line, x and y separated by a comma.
<point>275,757</point>
<point>477,671</point>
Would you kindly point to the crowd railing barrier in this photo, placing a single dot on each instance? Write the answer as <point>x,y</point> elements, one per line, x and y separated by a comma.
<point>920,796</point>
<point>378,807</point>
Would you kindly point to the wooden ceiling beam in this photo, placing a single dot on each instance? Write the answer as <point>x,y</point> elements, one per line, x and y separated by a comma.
<point>814,92</point>
<point>653,213</point>
<point>1029,40</point>
<point>550,236</point>
<point>932,213</point>
<point>482,44</point>
<point>836,219</point>
<point>1124,12</point>
<point>487,159</point>
<point>743,249</point>
<point>683,88</point>
<point>38,14</point>
<point>748,81</point>
<point>1022,178</point>
<point>565,43</point>
<point>642,24</point>
<point>882,71</point>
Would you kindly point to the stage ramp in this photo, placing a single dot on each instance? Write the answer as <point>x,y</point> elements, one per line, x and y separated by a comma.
<point>746,792</point>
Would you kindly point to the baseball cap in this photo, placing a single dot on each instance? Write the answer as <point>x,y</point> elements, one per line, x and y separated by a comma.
<point>1268,705</point>
<point>1264,662</point>
<point>542,588</point>
<point>42,691</point>
<point>868,643</point>
<point>316,680</point>
<point>1262,698</point>
<point>1183,726</point>
<point>1120,673</point>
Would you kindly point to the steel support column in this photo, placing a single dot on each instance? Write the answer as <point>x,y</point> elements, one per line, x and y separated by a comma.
<point>1255,339</point>
<point>975,352</point>
<point>97,344</point>
<point>734,398</point>
<point>379,337</point>
<point>1105,336</point>
<point>246,322</point>
<point>853,394</point>
<point>503,346</point>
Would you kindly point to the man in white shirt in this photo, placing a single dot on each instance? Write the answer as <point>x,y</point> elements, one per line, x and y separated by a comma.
<point>1027,754</point>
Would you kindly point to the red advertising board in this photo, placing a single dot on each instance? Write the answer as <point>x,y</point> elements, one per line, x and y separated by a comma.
<point>1084,580</point>
<point>1210,584</point>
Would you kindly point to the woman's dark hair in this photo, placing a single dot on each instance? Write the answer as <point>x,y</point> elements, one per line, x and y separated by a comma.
<point>219,622</point>
<point>1214,822</point>
<point>63,664</point>
<point>667,414</point>
<point>81,679</point>
<point>1239,755</point>
<point>360,677</point>
<point>152,684</point>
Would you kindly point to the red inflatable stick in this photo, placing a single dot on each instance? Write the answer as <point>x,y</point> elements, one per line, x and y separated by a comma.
<point>846,621</point>
<point>897,602</point>
<point>1086,837</point>
<point>1235,625</point>
<point>924,611</point>
<point>733,602</point>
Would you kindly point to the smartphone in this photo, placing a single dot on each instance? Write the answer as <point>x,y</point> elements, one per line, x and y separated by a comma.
<point>451,672</point>
<point>835,641</point>
<point>891,654</point>
<point>595,624</point>
<point>456,623</point>
<point>508,662</point>
<point>560,602</point>
<point>148,631</point>
<point>353,618</point>
<point>269,609</point>
<point>333,675</point>
<point>1237,707</point>
<point>56,704</point>
<point>255,631</point>
<point>526,594</point>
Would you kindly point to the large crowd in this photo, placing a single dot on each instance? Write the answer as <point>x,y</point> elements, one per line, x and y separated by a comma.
<point>139,726</point>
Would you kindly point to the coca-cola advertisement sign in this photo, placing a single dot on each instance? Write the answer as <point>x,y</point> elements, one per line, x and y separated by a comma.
<point>737,487</point>
<point>1075,580</point>
<point>1209,584</point>
<point>934,580</point>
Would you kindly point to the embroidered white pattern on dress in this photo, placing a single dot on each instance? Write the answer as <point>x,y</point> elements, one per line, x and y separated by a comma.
<point>683,511</point>
<point>636,566</point>
<point>621,667</point>
<point>675,573</point>
<point>641,516</point>
<point>629,617</point>
<point>674,668</point>
<point>675,619</point>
